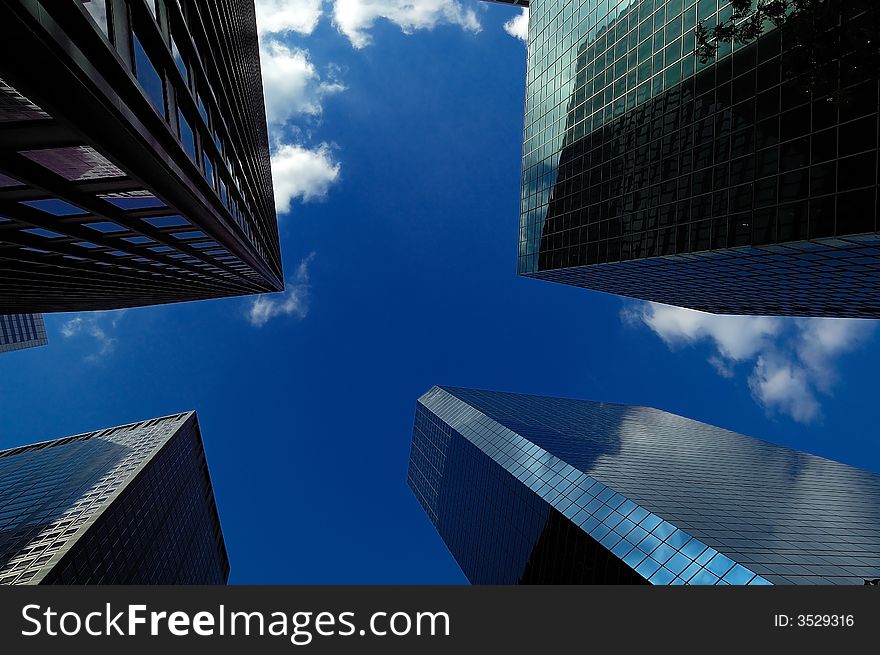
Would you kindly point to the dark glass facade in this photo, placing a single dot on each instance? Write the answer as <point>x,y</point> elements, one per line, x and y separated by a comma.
<point>747,185</point>
<point>127,505</point>
<point>19,331</point>
<point>526,489</point>
<point>134,159</point>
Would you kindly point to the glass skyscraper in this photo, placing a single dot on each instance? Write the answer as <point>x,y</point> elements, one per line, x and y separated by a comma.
<point>134,157</point>
<point>526,489</point>
<point>126,505</point>
<point>19,331</point>
<point>744,185</point>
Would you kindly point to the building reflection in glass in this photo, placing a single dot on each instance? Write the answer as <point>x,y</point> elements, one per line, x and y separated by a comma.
<point>526,489</point>
<point>747,185</point>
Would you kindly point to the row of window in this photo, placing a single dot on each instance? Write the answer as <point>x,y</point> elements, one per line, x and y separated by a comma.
<point>617,69</point>
<point>731,126</point>
<point>19,331</point>
<point>164,89</point>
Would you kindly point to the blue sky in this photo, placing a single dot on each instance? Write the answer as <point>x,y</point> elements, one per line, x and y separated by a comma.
<point>396,131</point>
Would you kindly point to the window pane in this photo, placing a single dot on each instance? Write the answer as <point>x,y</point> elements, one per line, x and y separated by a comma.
<point>202,110</point>
<point>98,10</point>
<point>148,76</point>
<point>178,59</point>
<point>209,170</point>
<point>187,139</point>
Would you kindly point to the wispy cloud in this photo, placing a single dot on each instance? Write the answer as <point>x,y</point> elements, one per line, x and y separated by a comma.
<point>792,362</point>
<point>97,326</point>
<point>294,301</point>
<point>518,26</point>
<point>291,83</point>
<point>283,16</point>
<point>295,88</point>
<point>355,18</point>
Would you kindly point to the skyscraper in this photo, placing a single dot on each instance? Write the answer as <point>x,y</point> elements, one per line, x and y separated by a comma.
<point>525,489</point>
<point>126,505</point>
<point>134,159</point>
<point>19,331</point>
<point>745,185</point>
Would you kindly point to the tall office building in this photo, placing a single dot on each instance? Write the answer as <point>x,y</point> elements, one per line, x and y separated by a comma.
<point>525,489</point>
<point>20,331</point>
<point>134,159</point>
<point>745,185</point>
<point>125,505</point>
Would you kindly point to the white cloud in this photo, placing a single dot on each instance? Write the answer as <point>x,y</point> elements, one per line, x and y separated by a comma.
<point>822,340</point>
<point>354,18</point>
<point>783,386</point>
<point>736,337</point>
<point>518,26</point>
<point>301,172</point>
<point>99,326</point>
<point>291,83</point>
<point>293,301</point>
<point>294,88</point>
<point>793,361</point>
<point>281,16</point>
